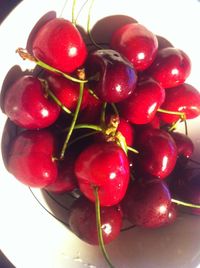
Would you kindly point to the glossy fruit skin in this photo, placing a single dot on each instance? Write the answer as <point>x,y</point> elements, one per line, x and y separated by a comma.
<point>30,158</point>
<point>142,105</point>
<point>163,42</point>
<point>106,166</point>
<point>183,98</point>
<point>171,67</point>
<point>82,221</point>
<point>185,186</point>
<point>117,77</point>
<point>59,44</point>
<point>147,203</point>
<point>136,43</point>
<point>157,153</point>
<point>66,91</point>
<point>27,106</point>
<point>184,144</point>
<point>127,130</point>
<point>66,180</point>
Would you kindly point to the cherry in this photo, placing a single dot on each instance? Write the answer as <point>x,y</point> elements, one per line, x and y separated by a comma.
<point>184,144</point>
<point>185,185</point>
<point>30,158</point>
<point>147,203</point>
<point>106,166</point>
<point>142,105</point>
<point>157,152</point>
<point>27,106</point>
<point>163,42</point>
<point>171,67</point>
<point>59,44</point>
<point>127,130</point>
<point>116,76</point>
<point>66,180</point>
<point>136,43</point>
<point>66,91</point>
<point>82,221</point>
<point>172,214</point>
<point>183,98</point>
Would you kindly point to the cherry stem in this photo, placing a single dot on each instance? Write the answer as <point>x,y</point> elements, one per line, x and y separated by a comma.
<point>58,102</point>
<point>81,89</point>
<point>89,27</point>
<point>103,114</point>
<point>99,227</point>
<point>73,13</point>
<point>87,126</point>
<point>115,109</point>
<point>82,137</point>
<point>178,202</point>
<point>182,115</point>
<point>79,12</point>
<point>132,150</point>
<point>25,55</point>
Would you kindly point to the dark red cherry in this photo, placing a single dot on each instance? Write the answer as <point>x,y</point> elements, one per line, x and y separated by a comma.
<point>183,98</point>
<point>82,221</point>
<point>171,67</point>
<point>142,105</point>
<point>147,203</point>
<point>185,186</point>
<point>157,152</point>
<point>59,44</point>
<point>127,131</point>
<point>116,77</point>
<point>27,105</point>
<point>136,43</point>
<point>31,158</point>
<point>66,180</point>
<point>66,91</point>
<point>106,166</point>
<point>163,42</point>
<point>172,214</point>
<point>184,144</point>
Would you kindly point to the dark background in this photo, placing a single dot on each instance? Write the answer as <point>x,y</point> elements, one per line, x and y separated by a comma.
<point>6,7</point>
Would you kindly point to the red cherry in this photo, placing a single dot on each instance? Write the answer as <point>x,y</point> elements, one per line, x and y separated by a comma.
<point>184,144</point>
<point>116,76</point>
<point>157,152</point>
<point>136,43</point>
<point>142,105</point>
<point>59,44</point>
<point>185,186</point>
<point>183,98</point>
<point>106,166</point>
<point>127,130</point>
<point>66,180</point>
<point>147,203</point>
<point>171,67</point>
<point>31,158</point>
<point>163,42</point>
<point>82,221</point>
<point>27,106</point>
<point>66,91</point>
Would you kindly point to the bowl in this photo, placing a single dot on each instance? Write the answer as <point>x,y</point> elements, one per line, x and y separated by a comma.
<point>31,235</point>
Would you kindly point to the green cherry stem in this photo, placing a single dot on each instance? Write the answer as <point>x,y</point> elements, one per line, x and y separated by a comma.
<point>182,115</point>
<point>185,204</point>
<point>99,228</point>
<point>25,55</point>
<point>132,150</point>
<point>79,12</point>
<point>103,114</point>
<point>87,126</point>
<point>115,109</point>
<point>82,137</point>
<point>89,26</point>
<point>58,102</point>
<point>73,12</point>
<point>81,89</point>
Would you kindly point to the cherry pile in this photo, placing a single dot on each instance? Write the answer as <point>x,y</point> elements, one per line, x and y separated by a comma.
<point>103,121</point>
